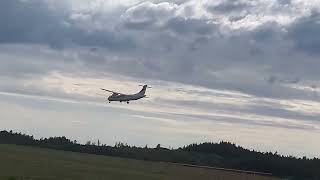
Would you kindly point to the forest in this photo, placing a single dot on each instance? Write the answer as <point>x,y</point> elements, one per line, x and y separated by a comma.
<point>222,154</point>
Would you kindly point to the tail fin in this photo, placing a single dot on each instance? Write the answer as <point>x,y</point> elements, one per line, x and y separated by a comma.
<point>143,90</point>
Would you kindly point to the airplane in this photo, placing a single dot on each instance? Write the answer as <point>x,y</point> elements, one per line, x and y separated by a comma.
<point>127,97</point>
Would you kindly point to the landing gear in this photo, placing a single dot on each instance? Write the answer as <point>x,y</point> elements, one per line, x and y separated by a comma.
<point>109,101</point>
<point>127,102</point>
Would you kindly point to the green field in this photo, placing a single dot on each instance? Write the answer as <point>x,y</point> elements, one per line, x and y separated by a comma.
<point>21,162</point>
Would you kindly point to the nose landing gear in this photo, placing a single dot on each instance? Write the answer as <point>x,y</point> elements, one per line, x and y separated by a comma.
<point>127,102</point>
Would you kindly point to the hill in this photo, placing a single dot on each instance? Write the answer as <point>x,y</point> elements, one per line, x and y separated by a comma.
<point>21,162</point>
<point>223,155</point>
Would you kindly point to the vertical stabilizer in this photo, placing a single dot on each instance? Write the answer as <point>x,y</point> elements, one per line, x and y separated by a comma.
<point>143,90</point>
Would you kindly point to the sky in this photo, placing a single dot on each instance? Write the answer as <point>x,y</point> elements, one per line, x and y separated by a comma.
<point>244,71</point>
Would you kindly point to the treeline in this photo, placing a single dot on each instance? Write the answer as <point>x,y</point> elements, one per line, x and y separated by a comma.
<point>239,158</point>
<point>223,154</point>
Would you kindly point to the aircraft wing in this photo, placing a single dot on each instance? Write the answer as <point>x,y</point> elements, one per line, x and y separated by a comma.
<point>111,91</point>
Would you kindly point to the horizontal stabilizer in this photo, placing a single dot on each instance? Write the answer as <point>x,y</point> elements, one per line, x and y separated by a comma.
<point>145,85</point>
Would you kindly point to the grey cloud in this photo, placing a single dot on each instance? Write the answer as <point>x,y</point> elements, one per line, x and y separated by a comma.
<point>303,33</point>
<point>35,22</point>
<point>162,17</point>
<point>229,5</point>
<point>183,26</point>
<point>250,122</point>
<point>234,10</point>
<point>268,32</point>
<point>292,80</point>
<point>284,2</point>
<point>148,15</point>
<point>25,61</point>
<point>256,106</point>
<point>102,39</point>
<point>272,79</point>
<point>168,47</point>
<point>26,22</point>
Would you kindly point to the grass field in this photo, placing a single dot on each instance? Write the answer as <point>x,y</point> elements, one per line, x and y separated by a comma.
<point>20,162</point>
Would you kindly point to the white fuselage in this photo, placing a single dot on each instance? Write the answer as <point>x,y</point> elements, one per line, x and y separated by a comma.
<point>126,97</point>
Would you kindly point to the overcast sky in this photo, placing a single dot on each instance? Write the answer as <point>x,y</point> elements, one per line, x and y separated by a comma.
<point>245,71</point>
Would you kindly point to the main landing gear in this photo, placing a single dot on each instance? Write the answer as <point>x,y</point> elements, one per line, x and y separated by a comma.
<point>121,102</point>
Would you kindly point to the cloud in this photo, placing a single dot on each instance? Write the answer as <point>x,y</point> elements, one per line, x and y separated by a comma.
<point>30,22</point>
<point>240,60</point>
<point>163,17</point>
<point>37,23</point>
<point>183,26</point>
<point>229,6</point>
<point>302,34</point>
<point>192,46</point>
<point>148,15</point>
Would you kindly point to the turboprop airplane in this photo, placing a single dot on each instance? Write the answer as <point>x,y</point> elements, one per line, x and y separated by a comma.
<point>127,97</point>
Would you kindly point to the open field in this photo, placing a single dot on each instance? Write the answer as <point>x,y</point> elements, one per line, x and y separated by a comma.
<point>21,162</point>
